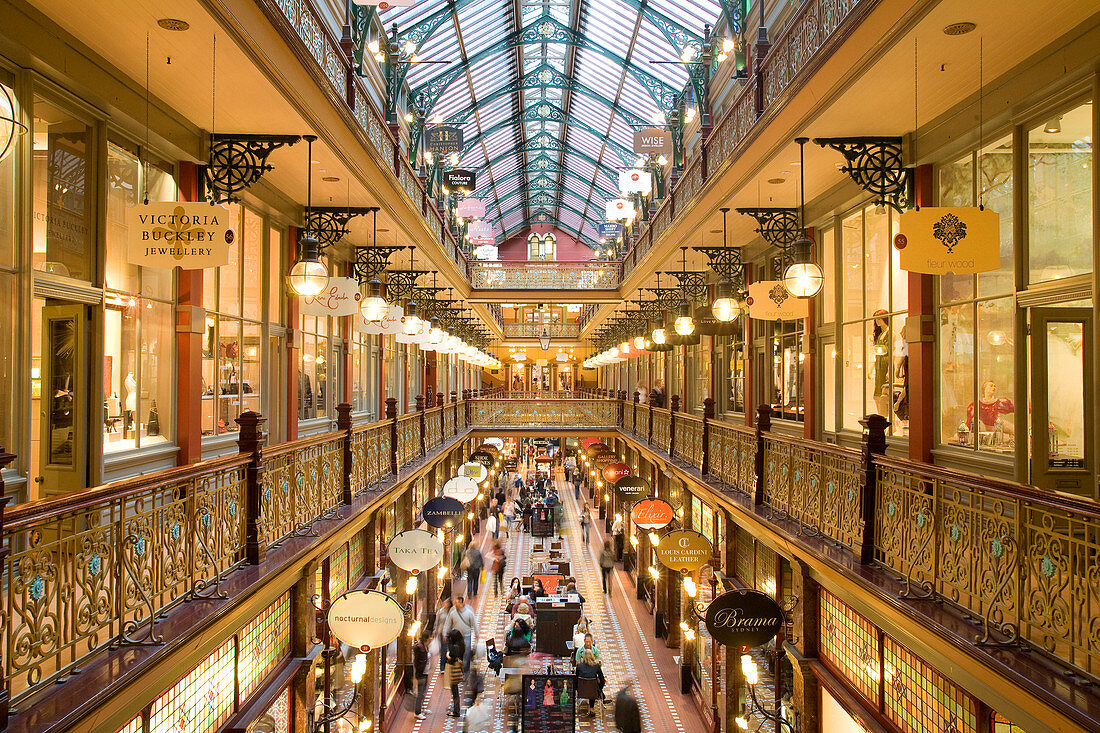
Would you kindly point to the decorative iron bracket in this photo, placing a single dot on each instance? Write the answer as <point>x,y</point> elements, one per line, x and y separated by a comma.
<point>726,263</point>
<point>693,283</point>
<point>329,224</point>
<point>236,162</point>
<point>400,283</point>
<point>875,164</point>
<point>371,261</point>
<point>666,297</point>
<point>777,225</point>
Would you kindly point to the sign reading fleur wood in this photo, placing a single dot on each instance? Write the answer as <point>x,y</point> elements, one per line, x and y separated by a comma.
<point>366,619</point>
<point>744,618</point>
<point>769,300</point>
<point>178,234</point>
<point>949,239</point>
<point>415,550</point>
<point>683,550</point>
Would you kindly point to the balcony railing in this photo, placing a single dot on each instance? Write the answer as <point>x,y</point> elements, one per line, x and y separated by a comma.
<point>535,330</point>
<point>544,275</point>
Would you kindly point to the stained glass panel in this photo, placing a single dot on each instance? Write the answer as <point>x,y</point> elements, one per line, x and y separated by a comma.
<point>849,643</point>
<point>746,557</point>
<point>202,700</point>
<point>338,572</point>
<point>355,558</point>
<point>134,726</point>
<point>920,699</point>
<point>765,569</point>
<point>1001,724</point>
<point>263,643</point>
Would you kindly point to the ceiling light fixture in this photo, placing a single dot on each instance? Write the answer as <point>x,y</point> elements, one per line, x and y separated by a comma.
<point>803,277</point>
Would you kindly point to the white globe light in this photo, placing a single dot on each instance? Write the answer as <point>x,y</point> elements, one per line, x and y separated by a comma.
<point>724,309</point>
<point>803,279</point>
<point>659,336</point>
<point>410,325</point>
<point>436,335</point>
<point>685,325</point>
<point>639,342</point>
<point>373,309</point>
<point>308,277</point>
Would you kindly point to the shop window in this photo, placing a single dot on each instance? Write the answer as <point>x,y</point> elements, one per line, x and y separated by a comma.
<point>786,356</point>
<point>138,317</point>
<point>9,289</point>
<point>63,229</point>
<point>364,386</point>
<point>7,181</point>
<point>541,247</point>
<point>232,344</point>
<point>275,259</point>
<point>315,358</point>
<point>874,305</point>
<point>1059,196</point>
<point>977,315</point>
<point>736,371</point>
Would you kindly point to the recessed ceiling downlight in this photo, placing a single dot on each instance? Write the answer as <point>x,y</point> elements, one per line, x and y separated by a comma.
<point>958,29</point>
<point>173,24</point>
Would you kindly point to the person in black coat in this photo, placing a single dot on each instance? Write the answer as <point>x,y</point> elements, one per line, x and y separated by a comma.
<point>628,716</point>
<point>420,671</point>
<point>452,677</point>
<point>589,669</point>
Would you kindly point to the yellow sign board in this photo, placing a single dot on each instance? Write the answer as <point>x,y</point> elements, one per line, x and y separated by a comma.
<point>949,239</point>
<point>769,300</point>
<point>191,235</point>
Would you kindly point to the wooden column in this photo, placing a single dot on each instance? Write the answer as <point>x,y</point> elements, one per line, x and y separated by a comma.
<point>919,332</point>
<point>343,422</point>
<point>190,325</point>
<point>763,425</point>
<point>803,647</point>
<point>873,443</point>
<point>250,442</point>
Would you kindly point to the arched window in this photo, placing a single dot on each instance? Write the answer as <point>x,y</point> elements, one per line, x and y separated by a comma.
<point>541,248</point>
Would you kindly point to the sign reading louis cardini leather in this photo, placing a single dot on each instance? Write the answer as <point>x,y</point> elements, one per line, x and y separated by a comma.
<point>743,618</point>
<point>683,550</point>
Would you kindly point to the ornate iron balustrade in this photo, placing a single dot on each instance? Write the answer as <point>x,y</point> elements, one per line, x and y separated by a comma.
<point>661,426</point>
<point>688,443</point>
<point>567,413</point>
<point>535,330</point>
<point>732,453</point>
<point>408,438</point>
<point>550,275</point>
<point>298,485</point>
<point>433,428</point>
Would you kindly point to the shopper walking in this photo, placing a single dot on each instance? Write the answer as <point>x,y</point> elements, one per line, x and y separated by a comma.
<point>474,563</point>
<point>452,674</point>
<point>498,564</point>
<point>462,619</point>
<point>607,564</point>
<point>420,671</point>
<point>442,626</point>
<point>628,716</point>
<point>586,519</point>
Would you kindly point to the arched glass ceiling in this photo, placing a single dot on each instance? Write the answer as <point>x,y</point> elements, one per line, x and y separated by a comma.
<point>548,96</point>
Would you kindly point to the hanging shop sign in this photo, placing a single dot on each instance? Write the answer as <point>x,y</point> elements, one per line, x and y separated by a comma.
<point>443,511</point>
<point>652,514</point>
<point>387,4</point>
<point>470,208</point>
<point>603,460</point>
<point>485,458</point>
<point>636,181</point>
<point>487,253</point>
<point>941,240</point>
<point>444,139</point>
<point>683,550</point>
<point>474,470</point>
<point>612,472</point>
<point>460,180</point>
<point>631,488</point>
<point>462,488</point>
<point>497,443</point>
<point>653,141</point>
<point>481,232</point>
<point>611,229</point>
<point>769,300</point>
<point>743,618</point>
<point>415,550</point>
<point>340,298</point>
<point>167,234</point>
<point>390,323</point>
<point>619,210</point>
<point>366,619</point>
<point>589,442</point>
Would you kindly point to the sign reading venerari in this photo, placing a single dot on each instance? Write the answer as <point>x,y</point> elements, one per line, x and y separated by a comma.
<point>171,234</point>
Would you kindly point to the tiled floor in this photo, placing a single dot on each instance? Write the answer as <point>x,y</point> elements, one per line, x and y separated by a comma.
<point>622,628</point>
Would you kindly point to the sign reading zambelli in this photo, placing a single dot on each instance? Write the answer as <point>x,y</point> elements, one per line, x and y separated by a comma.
<point>191,235</point>
<point>415,550</point>
<point>743,618</point>
<point>366,619</point>
<point>442,511</point>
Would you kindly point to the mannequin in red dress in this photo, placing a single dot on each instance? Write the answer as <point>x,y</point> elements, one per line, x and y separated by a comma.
<point>990,410</point>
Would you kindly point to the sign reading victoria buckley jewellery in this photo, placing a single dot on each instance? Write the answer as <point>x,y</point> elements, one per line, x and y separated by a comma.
<point>191,235</point>
<point>340,298</point>
<point>683,550</point>
<point>366,619</point>
<point>652,514</point>
<point>460,180</point>
<point>631,488</point>
<point>444,139</point>
<point>462,488</point>
<point>743,618</point>
<point>415,550</point>
<point>653,141</point>
<point>769,300</point>
<point>612,472</point>
<point>443,511</point>
<point>962,240</point>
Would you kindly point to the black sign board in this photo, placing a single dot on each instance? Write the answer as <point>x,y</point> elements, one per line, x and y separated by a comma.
<point>443,510</point>
<point>549,703</point>
<point>460,180</point>
<point>744,618</point>
<point>483,457</point>
<point>632,488</point>
<point>444,139</point>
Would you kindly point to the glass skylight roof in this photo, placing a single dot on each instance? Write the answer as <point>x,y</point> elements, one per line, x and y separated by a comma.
<point>537,147</point>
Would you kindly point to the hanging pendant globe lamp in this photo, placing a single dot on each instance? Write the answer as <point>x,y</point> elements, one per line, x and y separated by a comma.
<point>436,335</point>
<point>659,335</point>
<point>10,127</point>
<point>374,305</point>
<point>309,276</point>
<point>803,277</point>
<point>685,324</point>
<point>725,308</point>
<point>410,325</point>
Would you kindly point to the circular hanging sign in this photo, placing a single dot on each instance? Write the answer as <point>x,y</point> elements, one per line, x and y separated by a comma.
<point>683,550</point>
<point>497,443</point>
<point>652,514</point>
<point>612,472</point>
<point>461,488</point>
<point>631,488</point>
<point>474,470</point>
<point>483,457</point>
<point>589,442</point>
<point>596,448</point>
<point>743,618</point>
<point>603,460</point>
<point>415,550</point>
<point>443,511</point>
<point>366,619</point>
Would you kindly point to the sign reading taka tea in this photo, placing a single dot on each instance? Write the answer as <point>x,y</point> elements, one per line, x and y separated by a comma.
<point>167,234</point>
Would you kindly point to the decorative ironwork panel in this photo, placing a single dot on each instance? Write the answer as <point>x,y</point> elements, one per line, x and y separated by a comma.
<point>545,413</point>
<point>262,644</point>
<point>448,421</point>
<point>371,123</point>
<point>733,130</point>
<point>301,483</point>
<point>662,221</point>
<point>849,643</point>
<point>408,439</point>
<point>691,182</point>
<point>433,428</point>
<point>544,275</point>
<point>660,429</point>
<point>689,440</point>
<point>534,330</point>
<point>411,185</point>
<point>918,698</point>
<point>325,51</point>
<point>643,423</point>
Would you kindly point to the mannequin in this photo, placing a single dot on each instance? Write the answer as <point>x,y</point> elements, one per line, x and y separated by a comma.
<point>989,413</point>
<point>130,400</point>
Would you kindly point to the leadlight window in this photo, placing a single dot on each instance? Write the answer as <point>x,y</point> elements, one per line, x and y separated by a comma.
<point>918,698</point>
<point>202,700</point>
<point>849,644</point>
<point>263,643</point>
<point>355,558</point>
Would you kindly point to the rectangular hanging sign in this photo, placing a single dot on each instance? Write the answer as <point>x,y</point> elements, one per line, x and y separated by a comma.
<point>390,323</point>
<point>653,141</point>
<point>386,4</point>
<point>636,181</point>
<point>769,300</point>
<point>611,228</point>
<point>339,298</point>
<point>619,210</point>
<point>471,208</point>
<point>460,180</point>
<point>444,139</point>
<point>937,240</point>
<point>167,234</point>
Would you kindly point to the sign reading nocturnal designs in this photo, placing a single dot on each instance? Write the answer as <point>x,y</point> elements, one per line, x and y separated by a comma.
<point>191,235</point>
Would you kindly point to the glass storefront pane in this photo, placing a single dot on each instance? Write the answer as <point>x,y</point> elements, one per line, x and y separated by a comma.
<point>854,375</point>
<point>994,338</point>
<point>275,275</point>
<point>120,338</point>
<point>252,244</point>
<point>251,370</point>
<point>228,374</point>
<point>876,258</point>
<point>829,382</point>
<point>879,346</point>
<point>9,298</point>
<point>1065,394</point>
<point>63,240</point>
<point>156,380</point>
<point>122,194</point>
<point>229,275</point>
<point>996,194</point>
<point>7,188</point>
<point>899,375</point>
<point>956,184</point>
<point>956,373</point>
<point>852,254</point>
<point>209,369</point>
<point>826,248</point>
<point>307,378</point>
<point>899,278</point>
<point>1059,196</point>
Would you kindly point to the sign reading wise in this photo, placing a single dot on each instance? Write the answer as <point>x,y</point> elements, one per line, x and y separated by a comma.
<point>460,180</point>
<point>444,139</point>
<point>963,240</point>
<point>167,234</point>
<point>653,141</point>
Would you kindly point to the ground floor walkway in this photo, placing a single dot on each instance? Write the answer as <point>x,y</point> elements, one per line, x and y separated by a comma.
<point>622,627</point>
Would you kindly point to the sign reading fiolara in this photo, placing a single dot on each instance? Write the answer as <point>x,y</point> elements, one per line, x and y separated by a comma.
<point>167,234</point>
<point>366,619</point>
<point>415,550</point>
